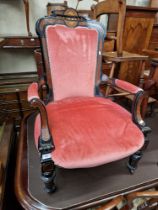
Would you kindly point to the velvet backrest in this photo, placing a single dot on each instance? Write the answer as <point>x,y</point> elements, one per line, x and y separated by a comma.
<point>72,57</point>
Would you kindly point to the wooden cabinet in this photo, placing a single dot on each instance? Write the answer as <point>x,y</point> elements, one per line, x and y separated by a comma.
<point>13,95</point>
<point>153,45</point>
<point>137,34</point>
<point>20,42</point>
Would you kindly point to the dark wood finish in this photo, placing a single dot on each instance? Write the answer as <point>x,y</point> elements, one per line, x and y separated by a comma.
<point>138,99</point>
<point>20,42</point>
<point>6,143</point>
<point>46,145</point>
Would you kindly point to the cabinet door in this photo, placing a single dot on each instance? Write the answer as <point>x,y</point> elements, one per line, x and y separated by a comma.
<point>137,33</point>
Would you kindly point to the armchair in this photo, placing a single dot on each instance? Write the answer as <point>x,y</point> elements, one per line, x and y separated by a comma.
<point>77,128</point>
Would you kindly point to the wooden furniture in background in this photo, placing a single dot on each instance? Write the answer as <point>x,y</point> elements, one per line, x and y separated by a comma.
<point>7,138</point>
<point>153,3</point>
<point>112,204</point>
<point>19,42</point>
<point>120,55</point>
<point>153,44</point>
<point>137,33</point>
<point>13,95</point>
<point>56,7</point>
<point>150,203</point>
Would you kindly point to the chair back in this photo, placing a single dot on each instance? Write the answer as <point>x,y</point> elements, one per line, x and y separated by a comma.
<point>71,48</point>
<point>112,7</point>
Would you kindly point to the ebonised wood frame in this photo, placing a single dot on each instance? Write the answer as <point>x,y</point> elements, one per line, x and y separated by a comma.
<point>137,119</point>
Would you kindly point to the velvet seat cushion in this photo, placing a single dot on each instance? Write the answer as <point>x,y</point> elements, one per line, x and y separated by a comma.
<point>90,131</point>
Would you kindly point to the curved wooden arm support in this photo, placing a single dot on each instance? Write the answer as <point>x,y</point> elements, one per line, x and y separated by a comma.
<point>136,109</point>
<point>132,89</point>
<point>35,101</point>
<point>45,142</point>
<point>137,118</point>
<point>45,134</point>
<point>112,204</point>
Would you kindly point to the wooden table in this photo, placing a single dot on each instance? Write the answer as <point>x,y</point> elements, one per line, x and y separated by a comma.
<point>80,188</point>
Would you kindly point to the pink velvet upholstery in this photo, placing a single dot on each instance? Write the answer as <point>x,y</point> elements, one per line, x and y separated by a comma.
<point>90,131</point>
<point>32,92</point>
<point>73,58</point>
<point>127,86</point>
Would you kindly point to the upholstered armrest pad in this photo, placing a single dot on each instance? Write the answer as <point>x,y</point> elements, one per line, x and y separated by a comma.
<point>127,86</point>
<point>32,92</point>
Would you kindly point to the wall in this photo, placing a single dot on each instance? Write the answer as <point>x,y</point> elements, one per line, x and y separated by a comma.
<point>12,23</point>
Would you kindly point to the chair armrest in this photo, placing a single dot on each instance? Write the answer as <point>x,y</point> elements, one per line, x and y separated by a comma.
<point>32,92</point>
<point>123,85</point>
<point>35,101</point>
<point>45,141</point>
<point>127,86</point>
<point>132,89</point>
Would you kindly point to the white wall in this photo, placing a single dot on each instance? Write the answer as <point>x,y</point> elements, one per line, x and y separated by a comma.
<point>12,23</point>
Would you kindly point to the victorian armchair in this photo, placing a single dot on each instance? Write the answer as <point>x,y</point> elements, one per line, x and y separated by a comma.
<point>77,128</point>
